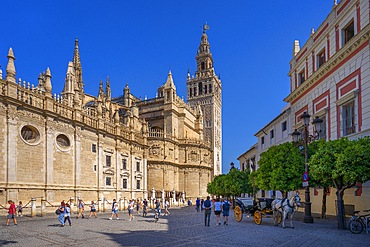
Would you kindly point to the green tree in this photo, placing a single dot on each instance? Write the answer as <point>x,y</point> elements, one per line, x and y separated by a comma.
<point>324,182</point>
<point>237,182</point>
<point>280,168</point>
<point>345,162</point>
<point>217,186</point>
<point>231,184</point>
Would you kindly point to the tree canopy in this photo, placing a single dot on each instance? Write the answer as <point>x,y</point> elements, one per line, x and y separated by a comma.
<point>345,163</point>
<point>234,183</point>
<point>280,168</point>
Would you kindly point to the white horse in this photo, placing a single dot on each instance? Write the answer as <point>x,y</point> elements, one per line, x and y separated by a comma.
<point>285,208</point>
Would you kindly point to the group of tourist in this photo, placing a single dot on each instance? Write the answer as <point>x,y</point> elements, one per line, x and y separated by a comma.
<point>218,207</point>
<point>12,212</point>
<point>64,210</point>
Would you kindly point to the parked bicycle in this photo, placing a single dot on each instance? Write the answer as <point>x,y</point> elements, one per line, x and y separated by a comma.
<point>359,222</point>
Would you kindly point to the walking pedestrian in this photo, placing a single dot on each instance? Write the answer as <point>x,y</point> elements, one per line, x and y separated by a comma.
<point>67,214</point>
<point>92,210</point>
<point>138,206</point>
<point>81,207</point>
<point>114,209</point>
<point>20,209</point>
<point>197,204</point>
<point>61,215</point>
<point>226,211</point>
<point>207,205</point>
<point>145,207</point>
<point>130,209</point>
<point>166,207</point>
<point>201,204</point>
<point>157,206</point>
<point>218,210</point>
<point>12,212</point>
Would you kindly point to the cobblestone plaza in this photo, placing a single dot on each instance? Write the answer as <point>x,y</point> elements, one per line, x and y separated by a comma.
<point>183,227</point>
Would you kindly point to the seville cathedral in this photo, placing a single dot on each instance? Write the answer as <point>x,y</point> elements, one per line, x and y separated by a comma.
<point>75,145</point>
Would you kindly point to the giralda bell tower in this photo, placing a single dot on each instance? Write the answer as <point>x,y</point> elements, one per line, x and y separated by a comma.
<point>205,89</point>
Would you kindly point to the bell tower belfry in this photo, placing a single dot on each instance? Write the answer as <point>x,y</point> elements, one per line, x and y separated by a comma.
<point>204,89</point>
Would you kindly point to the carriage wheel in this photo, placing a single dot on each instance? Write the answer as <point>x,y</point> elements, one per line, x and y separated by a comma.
<point>279,217</point>
<point>238,214</point>
<point>257,216</point>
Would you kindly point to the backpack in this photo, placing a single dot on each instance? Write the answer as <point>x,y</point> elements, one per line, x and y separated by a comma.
<point>226,206</point>
<point>207,203</point>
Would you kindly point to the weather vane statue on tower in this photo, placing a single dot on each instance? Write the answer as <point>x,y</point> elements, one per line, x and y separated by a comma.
<point>205,27</point>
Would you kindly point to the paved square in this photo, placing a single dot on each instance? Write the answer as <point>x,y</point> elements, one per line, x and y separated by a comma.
<point>183,227</point>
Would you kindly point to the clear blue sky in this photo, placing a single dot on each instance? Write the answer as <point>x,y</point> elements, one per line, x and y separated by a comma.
<point>137,42</point>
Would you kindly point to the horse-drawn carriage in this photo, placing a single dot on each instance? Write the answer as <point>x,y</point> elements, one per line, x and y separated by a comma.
<point>278,209</point>
<point>257,208</point>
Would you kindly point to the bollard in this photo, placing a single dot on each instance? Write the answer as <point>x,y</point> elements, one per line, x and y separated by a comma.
<point>33,206</point>
<point>99,206</point>
<point>71,203</point>
<point>104,204</point>
<point>43,207</point>
<point>120,204</point>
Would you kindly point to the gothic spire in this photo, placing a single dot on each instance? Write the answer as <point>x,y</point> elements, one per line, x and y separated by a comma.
<point>10,68</point>
<point>47,85</point>
<point>107,89</point>
<point>76,55</point>
<point>169,83</point>
<point>101,91</point>
<point>78,68</point>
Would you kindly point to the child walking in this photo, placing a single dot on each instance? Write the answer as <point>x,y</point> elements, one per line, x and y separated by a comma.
<point>20,209</point>
<point>67,214</point>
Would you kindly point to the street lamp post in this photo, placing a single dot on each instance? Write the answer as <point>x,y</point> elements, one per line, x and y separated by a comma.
<point>306,122</point>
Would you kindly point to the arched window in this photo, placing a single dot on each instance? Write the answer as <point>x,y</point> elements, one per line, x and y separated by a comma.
<point>200,88</point>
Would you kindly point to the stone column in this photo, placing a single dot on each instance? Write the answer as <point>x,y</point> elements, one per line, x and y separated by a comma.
<point>163,196</point>
<point>77,157</point>
<point>145,178</point>
<point>49,153</point>
<point>174,197</point>
<point>12,146</point>
<point>100,163</point>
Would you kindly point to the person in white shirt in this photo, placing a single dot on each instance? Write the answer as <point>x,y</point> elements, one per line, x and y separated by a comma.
<point>130,208</point>
<point>218,210</point>
<point>114,209</point>
<point>166,206</point>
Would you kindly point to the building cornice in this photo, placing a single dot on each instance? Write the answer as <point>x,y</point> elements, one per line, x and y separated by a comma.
<point>341,56</point>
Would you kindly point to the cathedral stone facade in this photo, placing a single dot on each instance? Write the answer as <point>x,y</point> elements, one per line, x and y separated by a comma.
<point>98,147</point>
